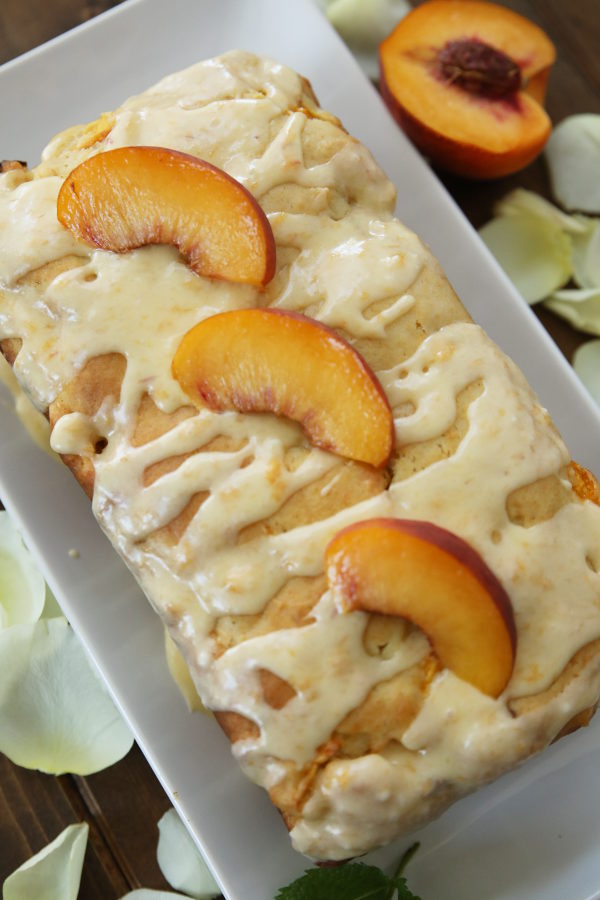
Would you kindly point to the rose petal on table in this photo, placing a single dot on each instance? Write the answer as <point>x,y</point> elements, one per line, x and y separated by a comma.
<point>586,255</point>
<point>149,894</point>
<point>180,861</point>
<point>55,714</point>
<point>51,608</point>
<point>521,201</point>
<point>22,588</point>
<point>586,362</point>
<point>535,253</point>
<point>573,157</point>
<point>34,421</point>
<point>363,24</point>
<point>579,307</point>
<point>180,674</point>
<point>54,873</point>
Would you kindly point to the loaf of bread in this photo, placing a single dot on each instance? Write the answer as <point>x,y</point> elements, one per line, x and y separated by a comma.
<point>336,611</point>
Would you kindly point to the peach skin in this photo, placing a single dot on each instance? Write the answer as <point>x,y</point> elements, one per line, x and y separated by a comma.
<point>424,573</point>
<point>271,360</point>
<point>466,80</point>
<point>133,196</point>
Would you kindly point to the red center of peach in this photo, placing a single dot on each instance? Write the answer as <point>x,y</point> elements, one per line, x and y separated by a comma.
<point>478,68</point>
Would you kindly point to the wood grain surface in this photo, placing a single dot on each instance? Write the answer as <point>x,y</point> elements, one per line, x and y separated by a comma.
<point>123,803</point>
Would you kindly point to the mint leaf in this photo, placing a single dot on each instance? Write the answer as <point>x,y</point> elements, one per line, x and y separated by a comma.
<point>352,881</point>
<point>398,880</point>
<point>404,893</point>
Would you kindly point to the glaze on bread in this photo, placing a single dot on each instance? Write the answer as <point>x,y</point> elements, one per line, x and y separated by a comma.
<point>346,718</point>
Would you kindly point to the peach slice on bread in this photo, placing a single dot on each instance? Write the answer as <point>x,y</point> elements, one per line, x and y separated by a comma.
<point>133,196</point>
<point>271,360</point>
<point>424,573</point>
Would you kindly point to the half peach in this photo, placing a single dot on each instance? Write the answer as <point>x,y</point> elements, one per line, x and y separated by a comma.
<point>466,80</point>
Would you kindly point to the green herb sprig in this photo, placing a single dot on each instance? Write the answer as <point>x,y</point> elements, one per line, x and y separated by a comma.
<point>352,881</point>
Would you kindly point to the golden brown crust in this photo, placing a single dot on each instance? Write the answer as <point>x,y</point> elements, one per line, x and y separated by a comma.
<point>12,165</point>
<point>236,726</point>
<point>580,720</point>
<point>573,670</point>
<point>387,711</point>
<point>99,379</point>
<point>9,347</point>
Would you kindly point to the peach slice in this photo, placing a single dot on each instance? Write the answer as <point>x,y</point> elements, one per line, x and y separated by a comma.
<point>466,80</point>
<point>417,570</point>
<point>271,360</point>
<point>133,196</point>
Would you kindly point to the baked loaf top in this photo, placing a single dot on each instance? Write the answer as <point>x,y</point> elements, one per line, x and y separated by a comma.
<point>347,718</point>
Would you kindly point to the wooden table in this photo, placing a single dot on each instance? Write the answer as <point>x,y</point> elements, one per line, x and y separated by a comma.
<point>124,803</point>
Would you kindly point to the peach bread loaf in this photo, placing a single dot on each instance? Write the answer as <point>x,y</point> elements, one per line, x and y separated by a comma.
<point>377,636</point>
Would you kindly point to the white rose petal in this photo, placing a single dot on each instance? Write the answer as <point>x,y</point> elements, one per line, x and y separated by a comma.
<point>22,588</point>
<point>51,608</point>
<point>363,24</point>
<point>180,860</point>
<point>579,307</point>
<point>148,894</point>
<point>181,675</point>
<point>34,421</point>
<point>54,873</point>
<point>55,714</point>
<point>521,201</point>
<point>586,363</point>
<point>586,255</point>
<point>535,253</point>
<point>573,157</point>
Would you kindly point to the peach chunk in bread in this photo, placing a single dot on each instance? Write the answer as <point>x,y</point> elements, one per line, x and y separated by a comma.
<point>585,485</point>
<point>132,196</point>
<point>417,570</point>
<point>466,80</point>
<point>271,360</point>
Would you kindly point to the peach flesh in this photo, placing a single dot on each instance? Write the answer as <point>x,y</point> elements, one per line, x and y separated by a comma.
<point>429,575</point>
<point>271,360</point>
<point>474,123</point>
<point>132,196</point>
<point>478,68</point>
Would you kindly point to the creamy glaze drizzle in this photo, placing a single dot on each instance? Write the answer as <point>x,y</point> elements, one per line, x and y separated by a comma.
<point>332,269</point>
<point>247,116</point>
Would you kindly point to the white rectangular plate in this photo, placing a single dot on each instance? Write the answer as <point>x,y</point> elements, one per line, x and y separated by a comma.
<point>534,833</point>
